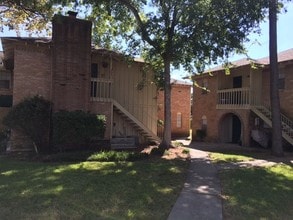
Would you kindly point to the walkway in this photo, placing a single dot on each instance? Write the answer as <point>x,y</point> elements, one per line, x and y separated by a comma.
<point>201,194</point>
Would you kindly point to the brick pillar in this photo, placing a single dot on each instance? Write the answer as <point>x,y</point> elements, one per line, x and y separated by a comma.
<point>71,61</point>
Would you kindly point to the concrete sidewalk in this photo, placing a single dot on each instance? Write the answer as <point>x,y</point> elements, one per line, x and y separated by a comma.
<point>201,194</point>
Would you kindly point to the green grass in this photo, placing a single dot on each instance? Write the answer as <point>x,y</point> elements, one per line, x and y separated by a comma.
<point>144,189</point>
<point>258,193</point>
<point>219,157</point>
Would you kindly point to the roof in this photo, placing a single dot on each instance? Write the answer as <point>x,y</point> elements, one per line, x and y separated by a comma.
<point>114,53</point>
<point>283,56</point>
<point>29,39</point>
<point>180,82</point>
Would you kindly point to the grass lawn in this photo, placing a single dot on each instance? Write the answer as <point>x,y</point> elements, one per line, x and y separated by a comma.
<point>219,157</point>
<point>145,189</point>
<point>256,193</point>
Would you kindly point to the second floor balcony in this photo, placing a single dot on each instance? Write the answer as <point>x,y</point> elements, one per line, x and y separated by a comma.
<point>101,89</point>
<point>238,98</point>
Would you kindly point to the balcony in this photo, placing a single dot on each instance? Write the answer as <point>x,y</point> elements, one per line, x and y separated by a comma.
<point>238,98</point>
<point>101,90</point>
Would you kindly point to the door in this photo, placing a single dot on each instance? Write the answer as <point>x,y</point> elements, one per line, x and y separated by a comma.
<point>236,130</point>
<point>237,82</point>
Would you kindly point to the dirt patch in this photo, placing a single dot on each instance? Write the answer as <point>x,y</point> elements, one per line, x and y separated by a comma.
<point>172,153</point>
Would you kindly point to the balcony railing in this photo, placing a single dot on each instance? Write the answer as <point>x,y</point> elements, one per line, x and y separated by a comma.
<point>239,98</point>
<point>101,89</point>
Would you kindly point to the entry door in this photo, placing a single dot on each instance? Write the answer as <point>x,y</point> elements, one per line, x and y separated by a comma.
<point>236,96</point>
<point>237,82</point>
<point>236,129</point>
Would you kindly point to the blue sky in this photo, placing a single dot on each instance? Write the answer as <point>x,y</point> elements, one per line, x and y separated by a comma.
<point>258,46</point>
<point>285,33</point>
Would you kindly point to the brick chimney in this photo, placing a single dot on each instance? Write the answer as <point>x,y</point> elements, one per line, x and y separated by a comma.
<point>71,61</point>
<point>72,14</point>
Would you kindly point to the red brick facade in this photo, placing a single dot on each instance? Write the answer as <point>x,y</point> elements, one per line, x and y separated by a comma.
<point>224,123</point>
<point>180,108</point>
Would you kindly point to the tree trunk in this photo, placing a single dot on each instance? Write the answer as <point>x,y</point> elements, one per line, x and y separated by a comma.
<point>166,142</point>
<point>277,148</point>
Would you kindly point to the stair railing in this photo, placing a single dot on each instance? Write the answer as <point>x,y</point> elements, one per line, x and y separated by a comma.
<point>287,124</point>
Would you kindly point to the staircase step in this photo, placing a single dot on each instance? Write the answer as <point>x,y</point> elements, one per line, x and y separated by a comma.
<point>123,143</point>
<point>137,125</point>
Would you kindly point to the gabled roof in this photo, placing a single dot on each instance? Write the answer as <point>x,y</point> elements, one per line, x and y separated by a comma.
<point>283,56</point>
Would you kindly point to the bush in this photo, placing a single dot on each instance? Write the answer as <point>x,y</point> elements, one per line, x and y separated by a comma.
<point>4,137</point>
<point>117,156</point>
<point>76,128</point>
<point>102,156</point>
<point>32,118</point>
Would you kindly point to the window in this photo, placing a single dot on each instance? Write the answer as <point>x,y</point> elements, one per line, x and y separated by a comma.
<point>281,81</point>
<point>94,70</point>
<point>4,84</point>
<point>5,100</point>
<point>179,120</point>
<point>5,78</point>
<point>204,86</point>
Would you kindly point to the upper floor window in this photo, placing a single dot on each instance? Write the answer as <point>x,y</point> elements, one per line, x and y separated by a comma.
<point>281,81</point>
<point>5,78</point>
<point>94,70</point>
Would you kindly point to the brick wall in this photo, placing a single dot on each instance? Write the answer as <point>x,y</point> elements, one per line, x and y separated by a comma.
<point>180,103</point>
<point>286,95</point>
<point>32,73</point>
<point>204,104</point>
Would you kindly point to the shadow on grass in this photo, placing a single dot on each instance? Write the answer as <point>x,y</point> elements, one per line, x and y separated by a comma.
<point>92,190</point>
<point>233,149</point>
<point>258,193</point>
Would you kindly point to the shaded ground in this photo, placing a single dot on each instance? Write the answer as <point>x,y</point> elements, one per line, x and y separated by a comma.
<point>262,156</point>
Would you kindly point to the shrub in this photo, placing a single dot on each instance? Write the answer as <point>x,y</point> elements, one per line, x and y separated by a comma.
<point>76,128</point>
<point>117,156</point>
<point>102,156</point>
<point>32,118</point>
<point>186,151</point>
<point>4,137</point>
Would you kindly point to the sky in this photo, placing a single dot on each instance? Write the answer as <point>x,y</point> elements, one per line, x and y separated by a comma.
<point>258,46</point>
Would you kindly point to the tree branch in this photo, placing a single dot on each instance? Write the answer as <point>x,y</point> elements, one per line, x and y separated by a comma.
<point>144,34</point>
<point>20,6</point>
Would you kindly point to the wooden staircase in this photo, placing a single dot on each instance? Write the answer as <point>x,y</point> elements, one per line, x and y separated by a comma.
<point>139,126</point>
<point>266,115</point>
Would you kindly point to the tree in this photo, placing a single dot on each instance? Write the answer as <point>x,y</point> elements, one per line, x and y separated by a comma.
<point>277,148</point>
<point>31,117</point>
<point>29,15</point>
<point>191,33</point>
<point>187,32</point>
